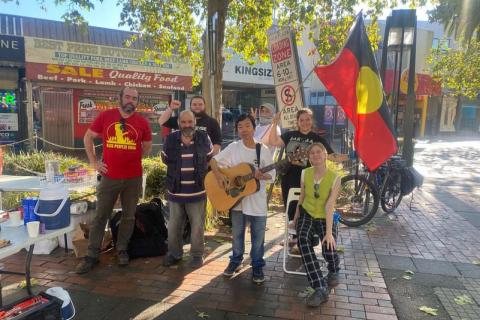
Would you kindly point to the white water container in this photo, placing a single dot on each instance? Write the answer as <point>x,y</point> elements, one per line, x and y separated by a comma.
<point>53,206</point>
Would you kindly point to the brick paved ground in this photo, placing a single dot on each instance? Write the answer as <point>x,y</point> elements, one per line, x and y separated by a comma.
<point>145,289</point>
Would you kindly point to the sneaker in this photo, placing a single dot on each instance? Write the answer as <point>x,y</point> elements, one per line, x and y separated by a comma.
<point>122,258</point>
<point>257,276</point>
<point>86,265</point>
<point>231,269</point>
<point>319,296</point>
<point>196,262</point>
<point>332,279</point>
<point>170,261</point>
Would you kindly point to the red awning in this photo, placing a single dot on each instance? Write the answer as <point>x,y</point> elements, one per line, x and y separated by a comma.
<point>424,84</point>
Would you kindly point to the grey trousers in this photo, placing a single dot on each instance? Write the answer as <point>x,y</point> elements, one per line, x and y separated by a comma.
<point>108,191</point>
<point>196,215</point>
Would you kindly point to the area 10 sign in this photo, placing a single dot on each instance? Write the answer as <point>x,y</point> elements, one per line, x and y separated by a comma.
<point>285,75</point>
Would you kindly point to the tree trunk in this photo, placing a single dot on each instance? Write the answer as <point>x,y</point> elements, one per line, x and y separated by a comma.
<point>222,13</point>
<point>458,115</point>
<point>206,91</point>
<point>220,7</point>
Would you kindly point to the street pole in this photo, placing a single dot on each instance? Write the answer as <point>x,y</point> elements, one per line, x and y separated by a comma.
<point>29,109</point>
<point>410,107</point>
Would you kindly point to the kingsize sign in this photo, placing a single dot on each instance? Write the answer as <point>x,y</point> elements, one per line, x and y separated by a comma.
<point>286,75</point>
<point>12,48</point>
<point>72,62</point>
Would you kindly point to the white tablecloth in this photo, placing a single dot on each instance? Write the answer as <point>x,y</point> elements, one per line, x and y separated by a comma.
<point>19,238</point>
<point>34,183</point>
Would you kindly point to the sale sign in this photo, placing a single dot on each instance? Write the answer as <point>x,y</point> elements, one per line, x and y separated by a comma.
<point>86,63</point>
<point>286,75</point>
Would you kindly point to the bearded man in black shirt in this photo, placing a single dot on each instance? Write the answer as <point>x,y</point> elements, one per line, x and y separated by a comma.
<point>203,121</point>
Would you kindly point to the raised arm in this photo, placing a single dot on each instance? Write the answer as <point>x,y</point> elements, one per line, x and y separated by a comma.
<point>274,139</point>
<point>174,105</point>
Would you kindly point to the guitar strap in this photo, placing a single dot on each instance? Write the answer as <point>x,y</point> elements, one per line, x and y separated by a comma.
<point>258,147</point>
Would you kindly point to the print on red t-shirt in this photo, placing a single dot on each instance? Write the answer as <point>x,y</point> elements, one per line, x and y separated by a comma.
<point>122,142</point>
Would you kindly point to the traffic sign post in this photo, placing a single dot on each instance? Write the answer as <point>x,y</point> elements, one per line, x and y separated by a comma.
<point>286,75</point>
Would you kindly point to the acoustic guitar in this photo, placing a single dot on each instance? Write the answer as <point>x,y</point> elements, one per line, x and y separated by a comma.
<point>240,182</point>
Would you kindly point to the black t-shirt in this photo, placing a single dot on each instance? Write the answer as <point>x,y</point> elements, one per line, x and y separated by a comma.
<point>204,123</point>
<point>294,140</point>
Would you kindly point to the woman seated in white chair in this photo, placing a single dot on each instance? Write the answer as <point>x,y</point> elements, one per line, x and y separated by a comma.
<point>314,216</point>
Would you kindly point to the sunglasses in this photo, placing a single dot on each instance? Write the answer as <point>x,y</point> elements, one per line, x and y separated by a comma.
<point>316,187</point>
<point>123,126</point>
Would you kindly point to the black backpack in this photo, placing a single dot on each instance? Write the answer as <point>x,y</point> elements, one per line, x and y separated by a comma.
<point>150,234</point>
<point>411,179</point>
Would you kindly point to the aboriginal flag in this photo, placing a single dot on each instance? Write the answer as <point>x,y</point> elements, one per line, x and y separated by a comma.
<point>354,81</point>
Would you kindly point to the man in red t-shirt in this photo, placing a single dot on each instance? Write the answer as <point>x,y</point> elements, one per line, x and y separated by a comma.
<point>126,137</point>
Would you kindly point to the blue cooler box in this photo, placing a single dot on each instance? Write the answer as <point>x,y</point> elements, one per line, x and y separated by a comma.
<point>53,206</point>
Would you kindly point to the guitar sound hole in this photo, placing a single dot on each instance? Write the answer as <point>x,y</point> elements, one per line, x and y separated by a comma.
<point>234,192</point>
<point>238,182</point>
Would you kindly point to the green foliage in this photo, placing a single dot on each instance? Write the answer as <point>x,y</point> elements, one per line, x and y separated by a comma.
<point>156,172</point>
<point>175,27</point>
<point>458,70</point>
<point>168,26</point>
<point>15,164</point>
<point>12,200</point>
<point>460,18</point>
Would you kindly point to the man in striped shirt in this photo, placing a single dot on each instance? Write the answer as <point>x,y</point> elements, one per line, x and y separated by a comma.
<point>186,153</point>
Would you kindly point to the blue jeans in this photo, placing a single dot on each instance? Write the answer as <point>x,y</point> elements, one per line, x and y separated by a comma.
<point>257,230</point>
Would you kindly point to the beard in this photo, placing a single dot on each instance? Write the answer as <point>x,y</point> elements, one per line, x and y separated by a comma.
<point>128,108</point>
<point>199,114</point>
<point>188,132</point>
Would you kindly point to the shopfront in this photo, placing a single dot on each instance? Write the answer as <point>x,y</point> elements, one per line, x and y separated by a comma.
<point>246,86</point>
<point>72,82</point>
<point>12,58</point>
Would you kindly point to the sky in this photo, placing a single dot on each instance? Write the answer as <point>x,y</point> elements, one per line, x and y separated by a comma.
<point>98,17</point>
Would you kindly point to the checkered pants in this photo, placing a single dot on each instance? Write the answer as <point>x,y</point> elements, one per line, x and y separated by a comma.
<point>307,227</point>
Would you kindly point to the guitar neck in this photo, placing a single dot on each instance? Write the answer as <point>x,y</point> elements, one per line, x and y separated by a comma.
<point>265,169</point>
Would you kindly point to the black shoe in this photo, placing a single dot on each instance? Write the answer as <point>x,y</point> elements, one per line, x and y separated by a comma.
<point>122,258</point>
<point>169,261</point>
<point>86,265</point>
<point>231,269</point>
<point>332,279</point>
<point>257,276</point>
<point>196,262</point>
<point>319,296</point>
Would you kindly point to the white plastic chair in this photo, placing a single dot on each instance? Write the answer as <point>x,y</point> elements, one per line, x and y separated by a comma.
<point>293,195</point>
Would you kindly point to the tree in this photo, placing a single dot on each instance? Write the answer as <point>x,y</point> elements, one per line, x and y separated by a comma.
<point>243,25</point>
<point>460,17</point>
<point>458,70</point>
<point>167,27</point>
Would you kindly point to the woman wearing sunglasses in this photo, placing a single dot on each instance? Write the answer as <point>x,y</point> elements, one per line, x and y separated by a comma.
<point>313,221</point>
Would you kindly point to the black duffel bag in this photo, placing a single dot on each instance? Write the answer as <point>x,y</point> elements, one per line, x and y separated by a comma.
<point>150,234</point>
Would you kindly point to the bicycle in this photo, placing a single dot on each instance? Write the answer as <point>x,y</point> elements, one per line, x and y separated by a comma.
<point>358,199</point>
<point>389,177</point>
<point>363,191</point>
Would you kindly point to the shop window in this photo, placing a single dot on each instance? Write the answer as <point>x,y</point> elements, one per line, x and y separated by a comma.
<point>330,100</point>
<point>313,98</point>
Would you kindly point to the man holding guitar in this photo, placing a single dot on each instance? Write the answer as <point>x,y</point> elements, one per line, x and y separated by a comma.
<point>251,208</point>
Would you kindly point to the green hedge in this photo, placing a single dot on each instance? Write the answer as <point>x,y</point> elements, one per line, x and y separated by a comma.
<point>35,161</point>
<point>156,172</point>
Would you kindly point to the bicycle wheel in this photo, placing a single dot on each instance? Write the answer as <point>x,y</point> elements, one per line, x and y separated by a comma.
<point>391,194</point>
<point>357,200</point>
